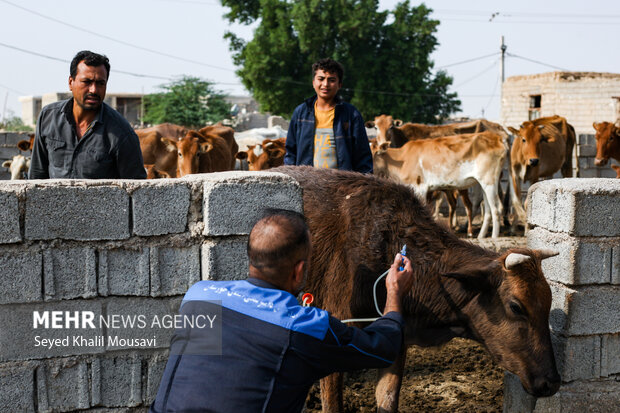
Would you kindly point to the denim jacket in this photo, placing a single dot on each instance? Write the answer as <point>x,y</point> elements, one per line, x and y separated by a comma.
<point>352,148</point>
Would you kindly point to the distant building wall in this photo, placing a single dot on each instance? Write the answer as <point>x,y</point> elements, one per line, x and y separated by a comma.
<point>581,97</point>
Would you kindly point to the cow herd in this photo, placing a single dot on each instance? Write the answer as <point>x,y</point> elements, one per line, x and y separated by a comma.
<point>430,159</point>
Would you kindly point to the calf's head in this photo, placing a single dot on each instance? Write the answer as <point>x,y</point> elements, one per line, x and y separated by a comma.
<point>607,135</point>
<point>509,315</point>
<point>189,150</point>
<point>530,139</point>
<point>383,124</point>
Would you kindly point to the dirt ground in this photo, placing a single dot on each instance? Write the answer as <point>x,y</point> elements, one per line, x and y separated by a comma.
<point>459,377</point>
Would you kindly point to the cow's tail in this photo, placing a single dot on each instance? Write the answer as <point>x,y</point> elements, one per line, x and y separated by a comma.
<point>567,166</point>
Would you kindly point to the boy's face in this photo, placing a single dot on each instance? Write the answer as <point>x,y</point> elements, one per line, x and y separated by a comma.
<point>326,85</point>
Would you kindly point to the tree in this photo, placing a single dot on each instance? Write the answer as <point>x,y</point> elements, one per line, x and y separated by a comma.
<point>189,102</point>
<point>386,55</point>
<point>12,123</point>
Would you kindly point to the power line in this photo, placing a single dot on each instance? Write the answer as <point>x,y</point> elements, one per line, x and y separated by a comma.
<point>467,61</point>
<point>536,61</point>
<point>68,61</point>
<point>522,14</point>
<point>477,75</point>
<point>497,20</point>
<point>12,90</point>
<point>115,40</point>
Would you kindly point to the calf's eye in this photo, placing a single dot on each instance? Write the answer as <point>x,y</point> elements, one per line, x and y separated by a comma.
<point>516,309</point>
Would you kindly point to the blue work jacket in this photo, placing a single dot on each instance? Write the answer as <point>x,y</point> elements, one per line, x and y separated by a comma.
<point>352,148</point>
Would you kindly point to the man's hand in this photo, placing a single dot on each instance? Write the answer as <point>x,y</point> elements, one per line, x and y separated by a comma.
<point>398,283</point>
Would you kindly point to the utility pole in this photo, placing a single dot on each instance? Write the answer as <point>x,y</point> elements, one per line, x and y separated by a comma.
<point>503,48</point>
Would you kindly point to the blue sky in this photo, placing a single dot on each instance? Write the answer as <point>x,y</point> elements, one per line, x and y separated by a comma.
<point>167,38</point>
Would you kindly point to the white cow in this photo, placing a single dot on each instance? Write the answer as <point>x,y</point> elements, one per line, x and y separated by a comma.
<point>18,166</point>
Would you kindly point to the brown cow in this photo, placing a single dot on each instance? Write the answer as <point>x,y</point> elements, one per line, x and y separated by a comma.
<point>226,133</point>
<point>607,143</point>
<point>153,173</point>
<point>268,154</point>
<point>26,146</point>
<point>168,130</point>
<point>359,222</point>
<point>156,152</point>
<point>198,153</point>
<point>541,147</point>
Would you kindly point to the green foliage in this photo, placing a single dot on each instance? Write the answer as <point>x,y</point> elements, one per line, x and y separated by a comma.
<point>14,124</point>
<point>189,102</point>
<point>386,55</point>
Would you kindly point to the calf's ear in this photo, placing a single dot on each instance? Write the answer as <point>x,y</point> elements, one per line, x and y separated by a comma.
<point>241,155</point>
<point>205,147</point>
<point>23,145</point>
<point>474,273</point>
<point>513,130</point>
<point>7,164</point>
<point>398,123</point>
<point>171,145</point>
<point>370,124</point>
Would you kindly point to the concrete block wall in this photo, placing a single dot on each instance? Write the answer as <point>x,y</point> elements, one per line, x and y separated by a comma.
<point>586,152</point>
<point>580,219</point>
<point>114,247</point>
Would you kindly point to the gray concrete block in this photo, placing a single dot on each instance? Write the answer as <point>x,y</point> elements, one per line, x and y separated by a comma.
<point>174,270</point>
<point>9,216</point>
<point>17,387</point>
<point>233,201</point>
<point>610,354</point>
<point>20,278</point>
<point>586,150</point>
<point>225,259</point>
<point>140,323</point>
<point>155,370</point>
<point>76,212</point>
<point>69,273</point>
<point>516,399</point>
<point>124,272</point>
<point>601,396</point>
<point>120,380</point>
<point>160,208</point>
<point>585,139</point>
<point>607,172</point>
<point>579,207</point>
<point>615,265</point>
<point>63,385</point>
<point>13,138</point>
<point>20,340</point>
<point>589,173</point>
<point>580,260</point>
<point>584,310</point>
<point>578,358</point>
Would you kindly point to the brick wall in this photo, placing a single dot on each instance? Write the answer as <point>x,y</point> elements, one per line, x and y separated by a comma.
<point>579,218</point>
<point>114,247</point>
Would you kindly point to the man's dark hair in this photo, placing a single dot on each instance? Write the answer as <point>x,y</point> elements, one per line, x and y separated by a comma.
<point>329,65</point>
<point>90,59</point>
<point>277,242</point>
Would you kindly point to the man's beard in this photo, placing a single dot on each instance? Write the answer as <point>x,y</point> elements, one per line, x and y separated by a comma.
<point>90,106</point>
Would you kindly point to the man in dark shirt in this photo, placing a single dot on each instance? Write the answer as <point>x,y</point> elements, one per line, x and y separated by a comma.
<point>271,349</point>
<point>83,137</point>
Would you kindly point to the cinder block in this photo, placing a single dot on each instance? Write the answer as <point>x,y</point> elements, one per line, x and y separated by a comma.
<point>610,354</point>
<point>69,273</point>
<point>124,272</point>
<point>233,201</point>
<point>601,396</point>
<point>76,212</point>
<point>578,358</point>
<point>174,270</point>
<point>62,385</point>
<point>20,278</point>
<point>140,323</point>
<point>160,208</point>
<point>120,381</point>
<point>589,173</point>
<point>580,260</point>
<point>584,311</point>
<point>225,259</point>
<point>586,150</point>
<point>615,265</point>
<point>9,216</point>
<point>17,387</point>
<point>579,207</point>
<point>516,399</point>
<point>155,371</point>
<point>20,340</point>
<point>607,172</point>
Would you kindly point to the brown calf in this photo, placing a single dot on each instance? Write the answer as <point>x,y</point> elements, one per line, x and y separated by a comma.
<point>268,154</point>
<point>153,173</point>
<point>156,152</point>
<point>607,143</point>
<point>359,222</point>
<point>198,153</point>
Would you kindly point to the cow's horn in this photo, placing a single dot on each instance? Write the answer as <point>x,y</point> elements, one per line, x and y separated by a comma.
<point>514,259</point>
<point>547,254</point>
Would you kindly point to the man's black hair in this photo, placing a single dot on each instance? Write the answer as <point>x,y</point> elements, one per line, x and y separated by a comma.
<point>329,65</point>
<point>292,246</point>
<point>90,59</point>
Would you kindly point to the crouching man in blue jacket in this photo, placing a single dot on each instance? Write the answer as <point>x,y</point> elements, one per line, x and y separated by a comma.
<point>271,349</point>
